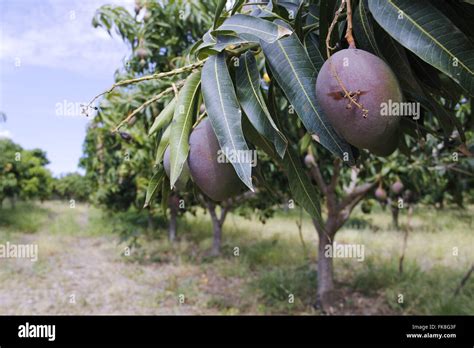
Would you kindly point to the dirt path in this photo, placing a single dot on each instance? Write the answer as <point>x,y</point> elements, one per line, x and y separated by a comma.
<point>77,274</point>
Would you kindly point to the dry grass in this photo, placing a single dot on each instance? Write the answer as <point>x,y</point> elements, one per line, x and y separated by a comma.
<point>80,255</point>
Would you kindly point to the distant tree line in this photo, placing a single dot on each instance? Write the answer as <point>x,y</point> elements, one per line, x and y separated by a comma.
<point>24,176</point>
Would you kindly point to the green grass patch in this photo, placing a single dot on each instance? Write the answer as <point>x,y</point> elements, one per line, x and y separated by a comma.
<point>285,289</point>
<point>26,217</point>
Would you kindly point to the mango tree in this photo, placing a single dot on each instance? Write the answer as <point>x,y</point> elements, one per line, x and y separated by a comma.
<point>353,78</point>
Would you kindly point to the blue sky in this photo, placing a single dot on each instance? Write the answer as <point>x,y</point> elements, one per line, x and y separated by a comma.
<point>52,60</point>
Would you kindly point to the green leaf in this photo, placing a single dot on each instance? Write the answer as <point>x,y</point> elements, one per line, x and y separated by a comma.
<point>312,16</point>
<point>253,28</point>
<point>164,118</point>
<point>184,112</point>
<point>237,6</point>
<point>300,185</point>
<point>163,144</point>
<point>258,140</point>
<point>224,41</point>
<point>311,46</point>
<point>291,6</point>
<point>296,75</point>
<point>425,31</point>
<point>253,104</point>
<point>155,181</point>
<point>218,44</point>
<point>371,37</point>
<point>364,31</point>
<point>224,113</point>
<point>219,9</point>
<point>263,11</point>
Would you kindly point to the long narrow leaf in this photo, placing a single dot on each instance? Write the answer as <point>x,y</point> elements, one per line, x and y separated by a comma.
<point>428,33</point>
<point>183,119</point>
<point>164,118</point>
<point>252,102</point>
<point>219,9</point>
<point>224,113</point>
<point>300,185</point>
<point>155,181</point>
<point>311,45</point>
<point>162,145</point>
<point>254,28</point>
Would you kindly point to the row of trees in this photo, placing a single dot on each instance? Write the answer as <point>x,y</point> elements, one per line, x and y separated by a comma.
<point>24,176</point>
<point>282,45</point>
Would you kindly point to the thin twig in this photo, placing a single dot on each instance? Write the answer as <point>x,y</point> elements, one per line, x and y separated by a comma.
<point>149,77</point>
<point>141,107</point>
<point>331,28</point>
<point>175,90</point>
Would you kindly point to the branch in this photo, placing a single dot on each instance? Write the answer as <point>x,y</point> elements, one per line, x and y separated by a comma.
<point>141,107</point>
<point>354,176</point>
<point>224,210</point>
<point>335,174</point>
<point>211,207</point>
<point>149,77</point>
<point>359,191</point>
<point>317,176</point>
<point>349,202</point>
<point>241,197</point>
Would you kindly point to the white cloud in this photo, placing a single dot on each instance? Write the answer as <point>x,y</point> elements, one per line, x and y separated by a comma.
<point>5,133</point>
<point>47,36</point>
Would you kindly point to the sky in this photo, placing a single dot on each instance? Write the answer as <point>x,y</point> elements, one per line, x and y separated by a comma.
<point>51,61</point>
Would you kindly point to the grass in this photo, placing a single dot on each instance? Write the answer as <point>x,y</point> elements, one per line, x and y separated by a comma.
<point>25,217</point>
<point>273,273</point>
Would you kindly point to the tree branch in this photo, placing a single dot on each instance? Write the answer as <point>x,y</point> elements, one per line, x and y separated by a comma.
<point>149,77</point>
<point>317,176</point>
<point>353,182</point>
<point>141,107</point>
<point>360,190</point>
<point>335,174</point>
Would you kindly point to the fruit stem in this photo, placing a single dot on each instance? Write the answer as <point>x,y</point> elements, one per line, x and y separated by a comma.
<point>349,37</point>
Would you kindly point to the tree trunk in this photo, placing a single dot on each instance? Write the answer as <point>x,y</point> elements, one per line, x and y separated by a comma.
<point>13,202</point>
<point>325,269</point>
<point>217,237</point>
<point>151,225</point>
<point>172,225</point>
<point>395,213</point>
<point>216,226</point>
